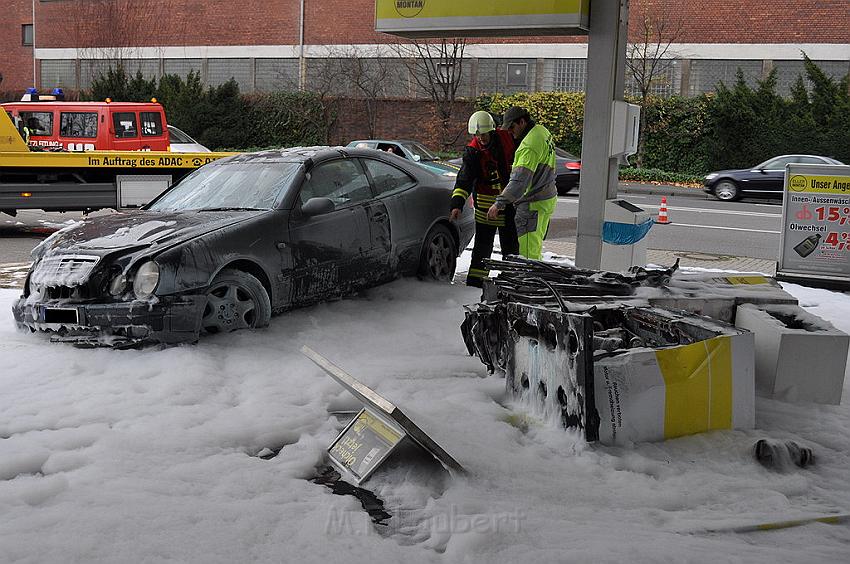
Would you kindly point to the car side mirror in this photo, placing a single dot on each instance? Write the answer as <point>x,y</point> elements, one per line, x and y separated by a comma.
<point>417,158</point>
<point>317,206</point>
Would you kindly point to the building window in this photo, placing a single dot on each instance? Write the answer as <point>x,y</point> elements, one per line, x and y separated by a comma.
<point>517,74</point>
<point>570,74</point>
<point>26,34</point>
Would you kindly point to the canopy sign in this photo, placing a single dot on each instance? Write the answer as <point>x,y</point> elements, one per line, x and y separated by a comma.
<point>506,18</point>
<point>815,242</point>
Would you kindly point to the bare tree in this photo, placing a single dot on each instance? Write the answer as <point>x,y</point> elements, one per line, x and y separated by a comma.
<point>112,30</point>
<point>357,72</point>
<point>653,29</point>
<point>437,68</point>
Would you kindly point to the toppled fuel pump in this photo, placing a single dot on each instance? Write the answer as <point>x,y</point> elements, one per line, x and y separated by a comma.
<point>615,370</point>
<point>534,281</point>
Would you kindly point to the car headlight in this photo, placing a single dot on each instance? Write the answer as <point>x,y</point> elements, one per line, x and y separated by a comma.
<point>710,176</point>
<point>147,277</point>
<point>117,285</point>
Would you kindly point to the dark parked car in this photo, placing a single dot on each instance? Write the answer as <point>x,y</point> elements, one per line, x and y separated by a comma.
<point>567,170</point>
<point>410,150</point>
<point>764,180</point>
<point>240,239</point>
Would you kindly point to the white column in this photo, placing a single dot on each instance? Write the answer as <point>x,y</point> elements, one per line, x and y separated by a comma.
<point>606,55</point>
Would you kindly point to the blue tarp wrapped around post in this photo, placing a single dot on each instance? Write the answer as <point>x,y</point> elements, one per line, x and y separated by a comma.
<point>625,233</point>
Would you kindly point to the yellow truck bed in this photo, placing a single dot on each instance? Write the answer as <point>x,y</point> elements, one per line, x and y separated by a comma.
<point>69,181</point>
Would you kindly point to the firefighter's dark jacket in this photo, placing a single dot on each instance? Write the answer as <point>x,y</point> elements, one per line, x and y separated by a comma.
<point>484,173</point>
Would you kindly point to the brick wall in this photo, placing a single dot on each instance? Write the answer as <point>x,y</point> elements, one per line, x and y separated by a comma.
<point>145,23</point>
<point>398,119</point>
<point>110,28</point>
<point>15,59</point>
<point>275,22</point>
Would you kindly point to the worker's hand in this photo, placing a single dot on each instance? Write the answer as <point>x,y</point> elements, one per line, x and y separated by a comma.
<point>493,212</point>
<point>454,215</point>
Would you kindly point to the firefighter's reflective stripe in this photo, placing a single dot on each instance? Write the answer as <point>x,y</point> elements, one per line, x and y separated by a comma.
<point>482,204</point>
<point>460,192</point>
<point>478,273</point>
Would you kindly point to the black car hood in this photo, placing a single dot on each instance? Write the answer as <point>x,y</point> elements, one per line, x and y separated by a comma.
<point>136,230</point>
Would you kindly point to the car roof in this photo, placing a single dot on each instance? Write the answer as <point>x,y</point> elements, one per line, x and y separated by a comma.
<point>800,155</point>
<point>399,141</point>
<point>302,154</point>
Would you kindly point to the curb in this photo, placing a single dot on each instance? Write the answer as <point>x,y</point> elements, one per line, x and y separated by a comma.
<point>664,190</point>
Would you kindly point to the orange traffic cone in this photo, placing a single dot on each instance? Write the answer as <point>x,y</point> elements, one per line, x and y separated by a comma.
<point>662,212</point>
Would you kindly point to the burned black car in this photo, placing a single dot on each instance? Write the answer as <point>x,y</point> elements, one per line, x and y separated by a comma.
<point>240,239</point>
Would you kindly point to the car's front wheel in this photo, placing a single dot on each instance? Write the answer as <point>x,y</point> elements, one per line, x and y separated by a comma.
<point>235,300</point>
<point>727,191</point>
<point>439,255</point>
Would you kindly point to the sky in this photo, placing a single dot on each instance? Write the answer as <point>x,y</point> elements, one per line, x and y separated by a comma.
<point>151,455</point>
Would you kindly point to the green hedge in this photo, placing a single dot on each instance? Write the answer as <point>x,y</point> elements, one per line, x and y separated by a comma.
<point>658,175</point>
<point>735,127</point>
<point>562,113</point>
<point>220,117</point>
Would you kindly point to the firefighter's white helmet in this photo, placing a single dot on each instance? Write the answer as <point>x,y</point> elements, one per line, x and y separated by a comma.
<point>481,122</point>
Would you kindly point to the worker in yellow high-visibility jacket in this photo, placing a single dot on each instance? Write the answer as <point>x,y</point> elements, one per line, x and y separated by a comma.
<point>531,188</point>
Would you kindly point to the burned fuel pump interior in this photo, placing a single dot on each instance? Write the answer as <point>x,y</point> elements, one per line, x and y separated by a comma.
<point>546,345</point>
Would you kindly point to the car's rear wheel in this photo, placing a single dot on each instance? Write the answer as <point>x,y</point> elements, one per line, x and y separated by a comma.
<point>439,255</point>
<point>235,300</point>
<point>727,191</point>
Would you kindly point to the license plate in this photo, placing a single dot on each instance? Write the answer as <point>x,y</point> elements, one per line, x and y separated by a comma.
<point>64,315</point>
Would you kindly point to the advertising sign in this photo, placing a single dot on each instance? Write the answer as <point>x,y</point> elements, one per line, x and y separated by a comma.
<point>376,430</point>
<point>815,242</point>
<point>450,18</point>
<point>364,444</point>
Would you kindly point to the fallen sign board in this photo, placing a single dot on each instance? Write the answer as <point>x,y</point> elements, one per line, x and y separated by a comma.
<point>366,442</point>
<point>381,426</point>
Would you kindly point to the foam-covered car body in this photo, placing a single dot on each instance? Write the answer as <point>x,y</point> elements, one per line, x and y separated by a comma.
<point>305,224</point>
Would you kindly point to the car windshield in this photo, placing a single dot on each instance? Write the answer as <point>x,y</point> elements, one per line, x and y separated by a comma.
<point>417,149</point>
<point>230,186</point>
<point>178,136</point>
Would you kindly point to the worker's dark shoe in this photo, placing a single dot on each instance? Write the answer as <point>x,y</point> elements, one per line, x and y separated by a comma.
<point>779,456</point>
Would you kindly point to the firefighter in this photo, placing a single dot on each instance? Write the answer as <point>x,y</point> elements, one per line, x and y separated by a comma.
<point>531,188</point>
<point>484,172</point>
